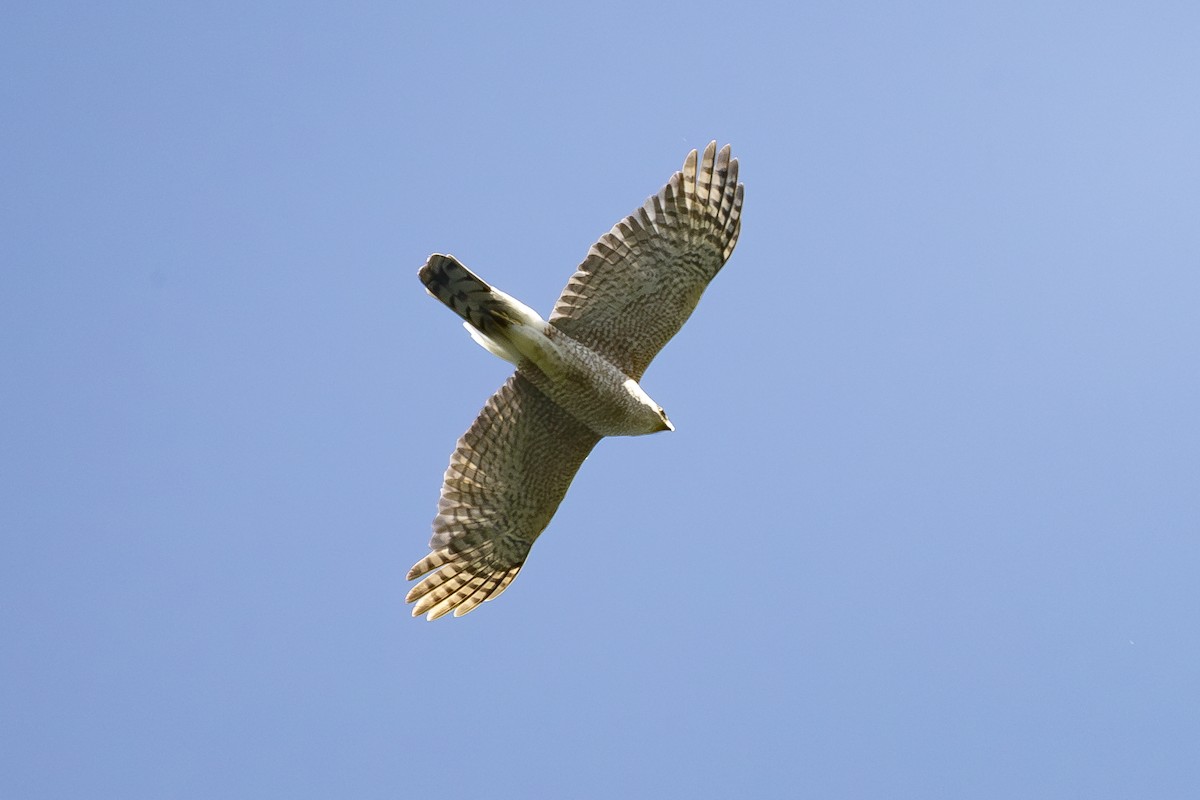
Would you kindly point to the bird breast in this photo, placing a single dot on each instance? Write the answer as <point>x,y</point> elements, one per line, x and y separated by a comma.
<point>590,387</point>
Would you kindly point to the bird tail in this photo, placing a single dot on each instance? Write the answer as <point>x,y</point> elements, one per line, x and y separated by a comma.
<point>466,294</point>
<point>494,319</point>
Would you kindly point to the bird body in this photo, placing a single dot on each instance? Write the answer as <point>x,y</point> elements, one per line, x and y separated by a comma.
<point>589,386</point>
<point>577,376</point>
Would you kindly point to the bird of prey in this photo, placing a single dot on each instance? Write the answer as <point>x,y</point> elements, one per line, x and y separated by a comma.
<point>576,377</point>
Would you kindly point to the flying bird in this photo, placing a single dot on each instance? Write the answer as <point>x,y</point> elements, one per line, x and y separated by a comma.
<point>576,378</point>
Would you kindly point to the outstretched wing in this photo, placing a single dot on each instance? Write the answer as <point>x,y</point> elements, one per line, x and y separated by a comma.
<point>641,281</point>
<point>506,478</point>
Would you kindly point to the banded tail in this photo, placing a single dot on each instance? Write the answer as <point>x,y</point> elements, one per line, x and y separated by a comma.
<point>464,292</point>
<point>489,313</point>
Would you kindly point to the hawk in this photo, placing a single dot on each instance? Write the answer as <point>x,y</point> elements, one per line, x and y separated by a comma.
<point>576,378</point>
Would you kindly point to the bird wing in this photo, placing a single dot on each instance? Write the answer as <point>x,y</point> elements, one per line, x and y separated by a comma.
<point>642,279</point>
<point>506,478</point>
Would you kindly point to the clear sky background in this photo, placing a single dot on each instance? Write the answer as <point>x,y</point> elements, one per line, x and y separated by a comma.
<point>930,522</point>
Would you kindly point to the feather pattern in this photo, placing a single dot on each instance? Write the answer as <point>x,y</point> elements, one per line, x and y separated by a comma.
<point>641,281</point>
<point>506,478</point>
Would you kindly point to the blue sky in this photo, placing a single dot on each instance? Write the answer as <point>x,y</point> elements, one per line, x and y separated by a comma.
<point>929,525</point>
